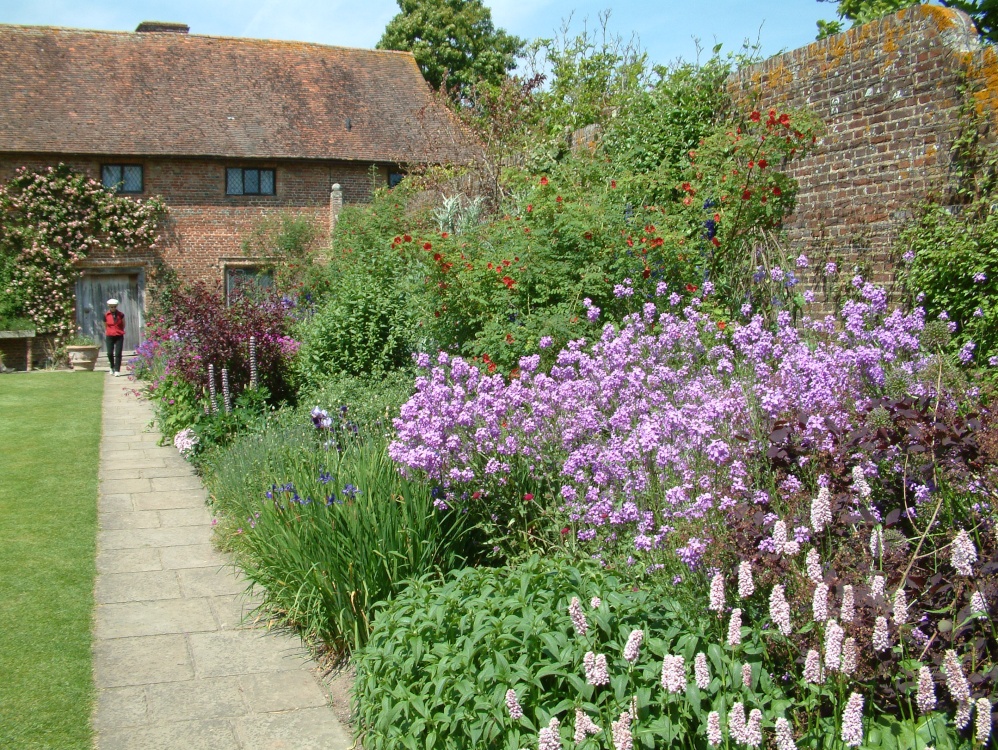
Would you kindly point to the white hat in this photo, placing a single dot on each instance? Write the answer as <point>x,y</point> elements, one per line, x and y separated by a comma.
<point>112,301</point>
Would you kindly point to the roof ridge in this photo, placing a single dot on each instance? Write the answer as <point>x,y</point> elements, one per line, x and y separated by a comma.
<point>191,35</point>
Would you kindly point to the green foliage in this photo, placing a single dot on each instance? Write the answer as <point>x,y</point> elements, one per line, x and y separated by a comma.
<point>657,127</point>
<point>325,533</point>
<point>983,12</point>
<point>828,28</point>
<point>368,402</point>
<point>53,218</point>
<point>291,242</point>
<point>454,42</point>
<point>441,656</point>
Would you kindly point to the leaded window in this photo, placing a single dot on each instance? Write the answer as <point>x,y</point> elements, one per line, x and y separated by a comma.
<point>123,178</point>
<point>240,181</point>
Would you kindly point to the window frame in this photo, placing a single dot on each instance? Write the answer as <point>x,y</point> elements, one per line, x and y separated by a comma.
<point>242,179</point>
<point>254,268</point>
<point>120,184</point>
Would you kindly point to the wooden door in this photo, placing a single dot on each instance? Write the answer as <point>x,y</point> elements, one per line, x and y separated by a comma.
<point>93,290</point>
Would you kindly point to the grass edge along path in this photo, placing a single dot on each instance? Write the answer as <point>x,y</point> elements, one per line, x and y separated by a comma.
<point>50,431</point>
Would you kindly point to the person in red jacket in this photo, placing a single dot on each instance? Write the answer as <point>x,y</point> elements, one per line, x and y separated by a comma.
<point>114,335</point>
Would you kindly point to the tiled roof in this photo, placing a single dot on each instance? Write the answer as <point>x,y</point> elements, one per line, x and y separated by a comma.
<point>174,94</point>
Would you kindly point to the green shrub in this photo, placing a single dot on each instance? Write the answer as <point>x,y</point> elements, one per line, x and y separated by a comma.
<point>369,403</point>
<point>326,533</point>
<point>441,656</point>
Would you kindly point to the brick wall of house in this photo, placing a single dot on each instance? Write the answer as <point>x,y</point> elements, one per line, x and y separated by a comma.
<point>205,228</point>
<point>888,93</point>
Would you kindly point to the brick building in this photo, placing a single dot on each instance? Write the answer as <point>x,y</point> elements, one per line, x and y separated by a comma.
<point>225,130</point>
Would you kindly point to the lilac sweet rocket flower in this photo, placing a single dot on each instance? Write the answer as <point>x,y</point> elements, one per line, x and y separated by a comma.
<point>963,554</point>
<point>784,735</point>
<point>833,645</point>
<point>548,738</point>
<point>185,441</point>
<point>966,353</point>
<point>597,672</point>
<point>813,672</point>
<point>700,671</point>
<point>584,726</point>
<point>545,342</point>
<point>578,617</point>
<point>982,727</point>
<point>802,261</point>
<point>714,736</point>
<point>513,705</point>
<point>848,609</point>
<point>881,638</point>
<point>716,603</point>
<point>831,269</point>
<point>926,698</point>
<point>852,721</point>
<point>746,586</point>
<point>621,730</point>
<point>633,647</point>
<point>736,722</point>
<point>735,628</point>
<point>980,278</point>
<point>956,683</point>
<point>779,609</point>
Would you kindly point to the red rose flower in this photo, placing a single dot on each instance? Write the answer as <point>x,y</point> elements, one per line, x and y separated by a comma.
<point>721,325</point>
<point>777,192</point>
<point>528,496</point>
<point>691,288</point>
<point>746,195</point>
<point>407,238</point>
<point>544,180</point>
<point>427,246</point>
<point>754,117</point>
<point>763,163</point>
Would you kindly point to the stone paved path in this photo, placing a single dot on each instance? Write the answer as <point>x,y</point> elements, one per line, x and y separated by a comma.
<point>174,667</point>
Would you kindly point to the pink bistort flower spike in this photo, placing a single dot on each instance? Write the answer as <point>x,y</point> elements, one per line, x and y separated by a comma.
<point>978,603</point>
<point>900,613</point>
<point>963,554</point>
<point>747,675</point>
<point>597,672</point>
<point>779,610</point>
<point>714,736</point>
<point>848,609</point>
<point>548,738</point>
<point>633,647</point>
<point>584,726</point>
<point>746,586</point>
<point>852,721</point>
<point>578,617</point>
<point>821,510</point>
<point>877,543</point>
<point>833,645</point>
<point>700,671</point>
<point>956,683</point>
<point>982,727</point>
<point>878,586</point>
<point>812,668</point>
<point>813,563</point>
<point>961,719</point>
<point>674,673</point>
<point>621,730</point>
<point>779,537</point>
<point>515,712</point>
<point>881,638</point>
<point>850,656</point>
<point>926,698</point>
<point>736,722</point>
<point>784,735</point>
<point>716,593</point>
<point>735,628</point>
<point>819,602</point>
<point>753,730</point>
<point>859,483</point>
<point>595,602</point>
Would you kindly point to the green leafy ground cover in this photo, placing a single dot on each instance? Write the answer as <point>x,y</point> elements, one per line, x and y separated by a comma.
<point>50,433</point>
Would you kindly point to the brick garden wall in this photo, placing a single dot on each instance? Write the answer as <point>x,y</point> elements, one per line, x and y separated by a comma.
<point>205,227</point>
<point>888,93</point>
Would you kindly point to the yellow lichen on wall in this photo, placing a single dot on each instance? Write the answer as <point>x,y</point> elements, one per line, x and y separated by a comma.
<point>982,70</point>
<point>943,18</point>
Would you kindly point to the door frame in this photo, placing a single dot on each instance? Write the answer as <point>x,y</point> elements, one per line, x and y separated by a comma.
<point>124,270</point>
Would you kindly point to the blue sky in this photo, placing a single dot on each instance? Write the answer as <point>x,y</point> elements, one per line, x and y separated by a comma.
<point>665,28</point>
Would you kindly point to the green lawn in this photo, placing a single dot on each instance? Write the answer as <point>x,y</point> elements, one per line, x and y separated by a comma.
<point>49,449</point>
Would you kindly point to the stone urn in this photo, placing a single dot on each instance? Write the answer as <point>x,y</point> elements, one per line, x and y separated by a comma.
<point>83,358</point>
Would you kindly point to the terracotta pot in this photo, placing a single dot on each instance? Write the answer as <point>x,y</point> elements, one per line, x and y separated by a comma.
<point>82,357</point>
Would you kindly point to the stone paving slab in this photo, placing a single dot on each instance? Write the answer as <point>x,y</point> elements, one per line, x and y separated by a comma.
<point>178,662</point>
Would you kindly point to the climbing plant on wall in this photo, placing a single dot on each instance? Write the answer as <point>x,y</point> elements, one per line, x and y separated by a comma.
<point>50,220</point>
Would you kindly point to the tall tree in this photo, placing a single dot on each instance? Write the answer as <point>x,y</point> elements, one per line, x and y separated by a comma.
<point>453,40</point>
<point>983,12</point>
